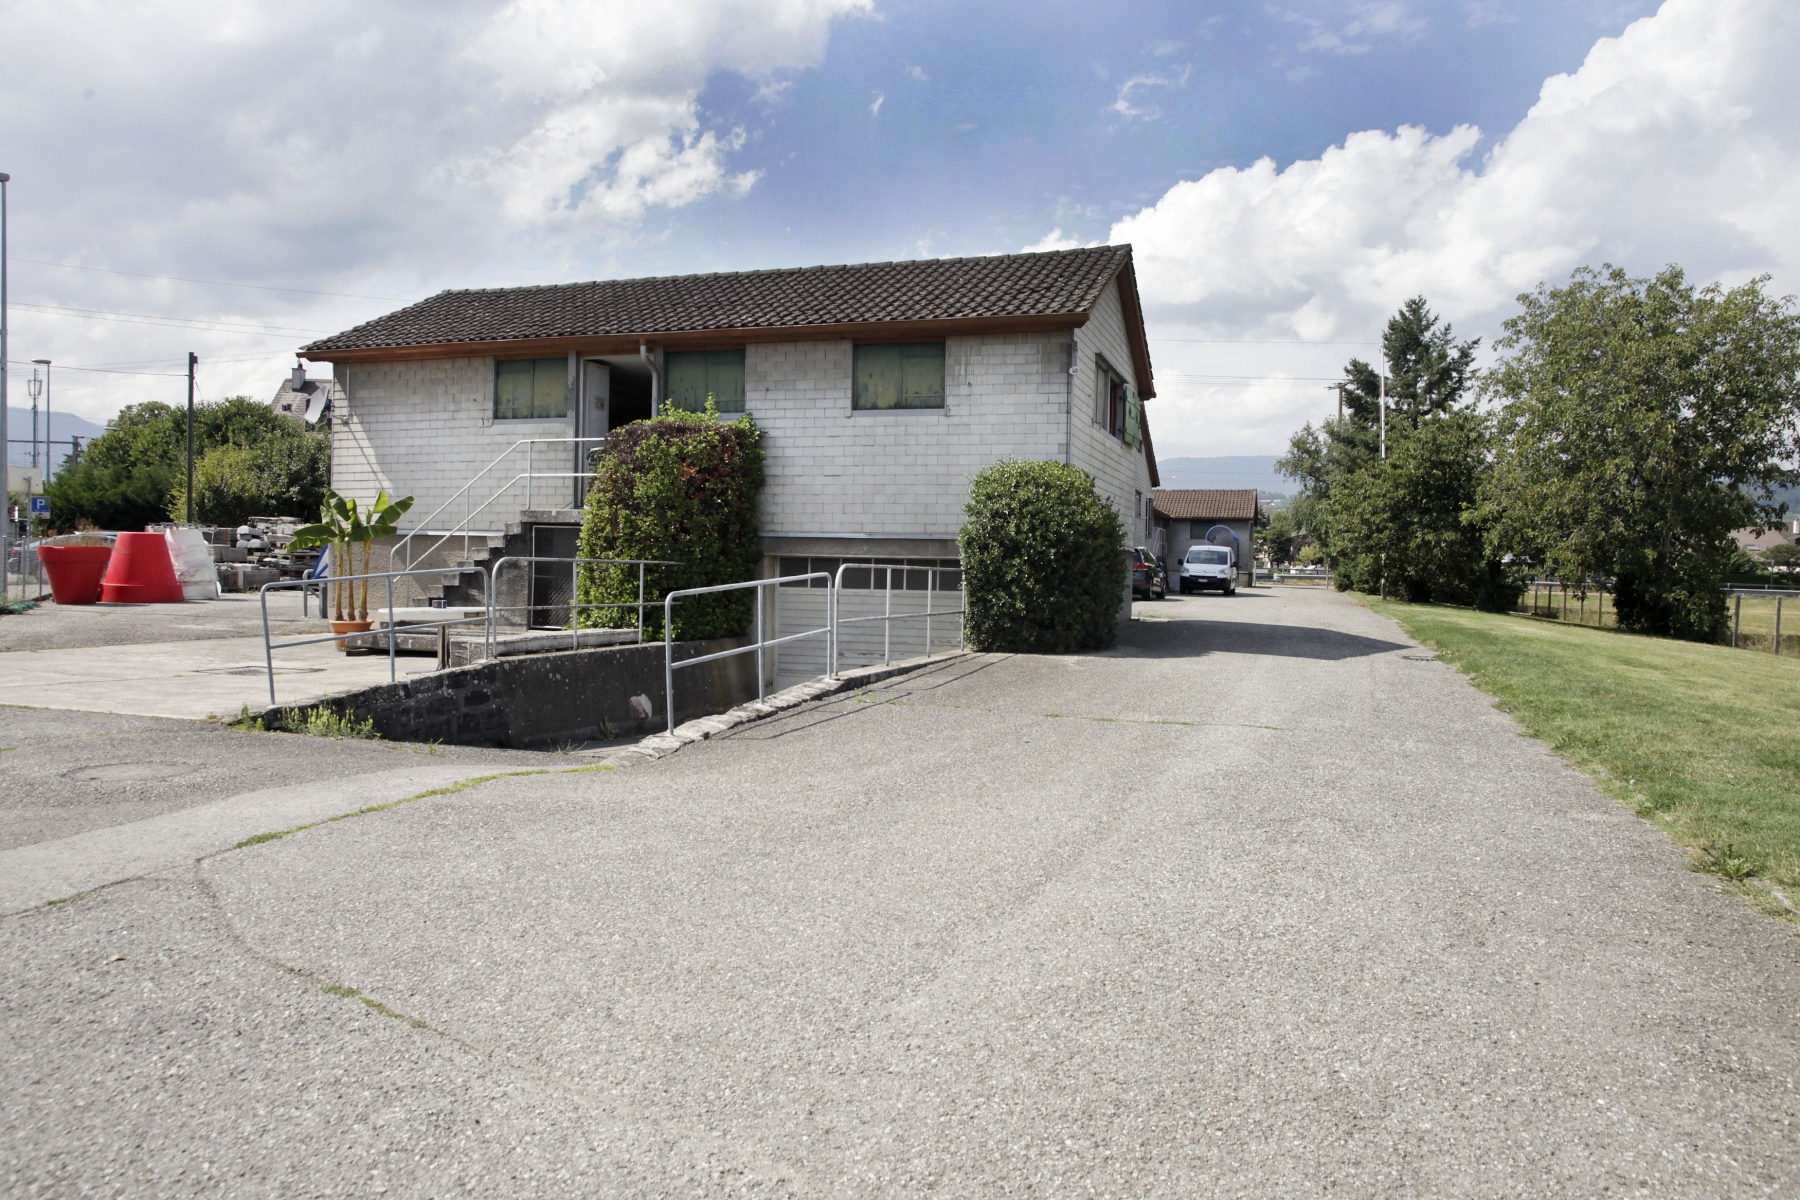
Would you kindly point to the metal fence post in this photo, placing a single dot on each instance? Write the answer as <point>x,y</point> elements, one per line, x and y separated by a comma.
<point>1778,625</point>
<point>887,625</point>
<point>1737,616</point>
<point>669,658</point>
<point>262,594</point>
<point>640,604</point>
<point>393,630</point>
<point>759,643</point>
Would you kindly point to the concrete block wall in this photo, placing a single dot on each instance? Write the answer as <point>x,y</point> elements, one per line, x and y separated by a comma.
<point>424,429</point>
<point>1121,473</point>
<point>835,470</point>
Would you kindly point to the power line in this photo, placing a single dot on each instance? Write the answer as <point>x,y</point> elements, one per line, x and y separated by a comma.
<point>238,327</point>
<point>1260,342</point>
<point>102,370</point>
<point>261,287</point>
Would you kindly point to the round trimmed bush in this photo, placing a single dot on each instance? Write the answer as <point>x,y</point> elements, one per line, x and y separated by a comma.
<point>1043,560</point>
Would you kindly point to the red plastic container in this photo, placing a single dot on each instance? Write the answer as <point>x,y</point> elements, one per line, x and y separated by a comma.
<point>141,572</point>
<point>74,571</point>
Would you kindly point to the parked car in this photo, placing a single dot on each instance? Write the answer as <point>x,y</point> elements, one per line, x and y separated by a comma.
<point>1209,567</point>
<point>1148,579</point>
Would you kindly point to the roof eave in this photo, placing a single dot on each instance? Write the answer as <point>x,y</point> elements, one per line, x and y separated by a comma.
<point>701,339</point>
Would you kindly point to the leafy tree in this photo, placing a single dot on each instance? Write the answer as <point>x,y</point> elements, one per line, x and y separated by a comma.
<point>1785,555</point>
<point>1043,560</point>
<point>1411,519</point>
<point>127,477</point>
<point>1643,420</point>
<point>1281,538</point>
<point>284,475</point>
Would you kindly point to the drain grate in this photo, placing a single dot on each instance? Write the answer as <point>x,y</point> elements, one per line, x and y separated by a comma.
<point>259,671</point>
<point>1420,657</point>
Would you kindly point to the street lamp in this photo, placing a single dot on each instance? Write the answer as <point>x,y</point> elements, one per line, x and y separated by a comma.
<point>45,363</point>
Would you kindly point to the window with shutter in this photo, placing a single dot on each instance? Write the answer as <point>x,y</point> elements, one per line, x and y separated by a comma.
<point>693,375</point>
<point>531,389</point>
<point>1134,418</point>
<point>904,375</point>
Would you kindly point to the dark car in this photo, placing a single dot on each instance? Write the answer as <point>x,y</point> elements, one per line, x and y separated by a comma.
<point>1148,579</point>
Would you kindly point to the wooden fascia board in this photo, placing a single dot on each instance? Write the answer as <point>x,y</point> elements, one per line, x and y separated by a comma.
<point>1134,327</point>
<point>710,339</point>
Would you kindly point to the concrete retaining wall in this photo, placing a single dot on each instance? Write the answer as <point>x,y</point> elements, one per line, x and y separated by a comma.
<point>552,699</point>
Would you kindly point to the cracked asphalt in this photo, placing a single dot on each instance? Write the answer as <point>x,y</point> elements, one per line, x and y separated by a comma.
<point>1264,902</point>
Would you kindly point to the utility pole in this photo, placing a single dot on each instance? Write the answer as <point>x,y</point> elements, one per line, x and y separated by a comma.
<point>192,359</point>
<point>1384,421</point>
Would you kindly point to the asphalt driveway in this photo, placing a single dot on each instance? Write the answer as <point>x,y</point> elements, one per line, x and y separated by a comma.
<point>1263,902</point>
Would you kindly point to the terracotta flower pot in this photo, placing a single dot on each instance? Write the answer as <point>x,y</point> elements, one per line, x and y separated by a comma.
<point>75,571</point>
<point>350,627</point>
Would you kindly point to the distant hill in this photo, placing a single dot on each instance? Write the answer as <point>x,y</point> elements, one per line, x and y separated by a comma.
<point>1226,471</point>
<point>18,434</point>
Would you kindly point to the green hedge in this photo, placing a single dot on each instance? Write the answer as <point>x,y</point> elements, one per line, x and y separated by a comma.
<point>1043,560</point>
<point>681,487</point>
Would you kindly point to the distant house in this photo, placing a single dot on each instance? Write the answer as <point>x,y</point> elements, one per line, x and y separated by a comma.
<point>1221,516</point>
<point>1780,535</point>
<point>306,400</point>
<point>881,389</point>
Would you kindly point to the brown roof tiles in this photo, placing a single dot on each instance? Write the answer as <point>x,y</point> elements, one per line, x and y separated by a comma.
<point>1047,284</point>
<point>1207,504</point>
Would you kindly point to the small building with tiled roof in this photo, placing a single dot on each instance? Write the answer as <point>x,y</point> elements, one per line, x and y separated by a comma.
<point>1201,516</point>
<point>881,388</point>
<point>305,400</point>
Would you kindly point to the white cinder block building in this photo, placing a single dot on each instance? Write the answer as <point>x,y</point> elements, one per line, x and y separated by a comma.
<point>881,388</point>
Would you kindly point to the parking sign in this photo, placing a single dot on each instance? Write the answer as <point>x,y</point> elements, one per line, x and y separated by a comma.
<point>40,506</point>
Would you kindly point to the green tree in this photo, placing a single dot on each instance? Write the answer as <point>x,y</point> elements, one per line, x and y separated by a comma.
<point>1281,537</point>
<point>129,475</point>
<point>1412,519</point>
<point>1785,555</point>
<point>1043,560</point>
<point>283,475</point>
<point>1642,421</point>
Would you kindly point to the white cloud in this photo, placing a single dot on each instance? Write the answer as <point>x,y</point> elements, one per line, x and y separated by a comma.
<point>1054,240</point>
<point>375,146</point>
<point>875,108</point>
<point>1124,106</point>
<point>1678,141</point>
<point>1366,19</point>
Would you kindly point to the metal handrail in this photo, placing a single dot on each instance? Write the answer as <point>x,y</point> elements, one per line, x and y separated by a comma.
<point>466,492</point>
<point>393,626</point>
<point>495,608</point>
<point>669,663</point>
<point>888,615</point>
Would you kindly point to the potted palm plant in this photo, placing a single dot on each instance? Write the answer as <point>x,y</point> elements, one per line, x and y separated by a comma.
<point>342,526</point>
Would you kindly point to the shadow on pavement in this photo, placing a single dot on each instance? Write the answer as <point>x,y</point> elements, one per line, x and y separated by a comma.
<point>1192,639</point>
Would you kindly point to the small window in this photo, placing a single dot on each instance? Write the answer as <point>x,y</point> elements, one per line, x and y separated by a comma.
<point>908,375</point>
<point>696,374</point>
<point>531,389</point>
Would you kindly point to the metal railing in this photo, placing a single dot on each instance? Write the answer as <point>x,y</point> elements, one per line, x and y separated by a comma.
<point>762,642</point>
<point>888,616</point>
<point>391,632</point>
<point>495,608</point>
<point>583,449</point>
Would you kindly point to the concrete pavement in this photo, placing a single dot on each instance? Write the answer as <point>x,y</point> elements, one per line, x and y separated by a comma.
<point>1264,902</point>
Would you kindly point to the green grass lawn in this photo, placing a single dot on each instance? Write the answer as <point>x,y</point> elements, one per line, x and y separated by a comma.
<point>1703,740</point>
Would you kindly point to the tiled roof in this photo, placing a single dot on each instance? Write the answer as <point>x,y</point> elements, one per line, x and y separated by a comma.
<point>1051,283</point>
<point>1207,504</point>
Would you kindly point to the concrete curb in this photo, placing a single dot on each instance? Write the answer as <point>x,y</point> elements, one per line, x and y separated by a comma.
<point>659,745</point>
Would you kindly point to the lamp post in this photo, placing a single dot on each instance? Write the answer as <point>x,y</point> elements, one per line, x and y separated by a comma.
<point>5,396</point>
<point>44,363</point>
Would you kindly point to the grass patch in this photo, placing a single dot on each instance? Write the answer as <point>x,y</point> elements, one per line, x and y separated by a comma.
<point>1700,739</point>
<point>350,993</point>
<point>324,722</point>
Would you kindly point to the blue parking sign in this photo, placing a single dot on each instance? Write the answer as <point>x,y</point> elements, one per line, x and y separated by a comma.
<point>40,506</point>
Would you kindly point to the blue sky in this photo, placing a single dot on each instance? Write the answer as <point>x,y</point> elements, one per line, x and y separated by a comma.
<point>1288,172</point>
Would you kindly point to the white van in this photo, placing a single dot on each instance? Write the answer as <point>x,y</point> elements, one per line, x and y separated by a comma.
<point>1209,567</point>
